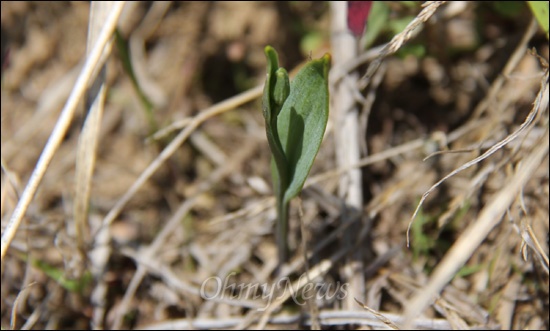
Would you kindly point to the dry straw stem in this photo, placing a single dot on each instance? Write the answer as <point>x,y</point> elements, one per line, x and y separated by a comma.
<point>88,140</point>
<point>505,313</point>
<point>530,240</point>
<point>21,297</point>
<point>490,216</point>
<point>380,316</point>
<point>399,39</point>
<point>60,128</point>
<point>85,164</point>
<point>327,317</point>
<point>347,135</point>
<point>377,54</point>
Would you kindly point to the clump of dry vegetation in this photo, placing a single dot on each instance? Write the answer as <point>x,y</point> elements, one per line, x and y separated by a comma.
<point>154,206</point>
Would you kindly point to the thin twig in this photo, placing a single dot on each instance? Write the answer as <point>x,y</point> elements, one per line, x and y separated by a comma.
<point>399,39</point>
<point>327,318</point>
<point>347,136</point>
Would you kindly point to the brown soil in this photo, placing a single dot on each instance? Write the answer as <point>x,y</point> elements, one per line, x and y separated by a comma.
<point>206,217</point>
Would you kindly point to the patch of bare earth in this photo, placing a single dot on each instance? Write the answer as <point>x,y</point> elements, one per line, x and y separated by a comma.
<point>457,137</point>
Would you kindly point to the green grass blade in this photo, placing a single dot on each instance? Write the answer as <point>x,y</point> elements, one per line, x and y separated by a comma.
<point>124,52</point>
<point>72,285</point>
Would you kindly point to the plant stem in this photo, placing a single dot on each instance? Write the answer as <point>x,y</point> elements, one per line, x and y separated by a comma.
<point>282,229</point>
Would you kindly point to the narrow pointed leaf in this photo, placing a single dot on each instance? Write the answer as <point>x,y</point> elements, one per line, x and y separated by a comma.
<point>271,106</point>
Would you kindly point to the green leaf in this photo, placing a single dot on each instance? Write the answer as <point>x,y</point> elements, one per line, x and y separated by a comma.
<point>271,106</point>
<point>410,4</point>
<point>377,21</point>
<point>540,10</point>
<point>399,24</point>
<point>72,285</point>
<point>125,57</point>
<point>281,89</point>
<point>508,9</point>
<point>302,122</point>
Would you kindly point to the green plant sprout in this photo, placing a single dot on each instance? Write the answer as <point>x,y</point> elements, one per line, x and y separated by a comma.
<point>296,115</point>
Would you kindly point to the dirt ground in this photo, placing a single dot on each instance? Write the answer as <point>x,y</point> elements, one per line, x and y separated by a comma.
<point>192,244</point>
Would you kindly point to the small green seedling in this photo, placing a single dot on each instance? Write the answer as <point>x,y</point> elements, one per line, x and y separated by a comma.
<point>296,115</point>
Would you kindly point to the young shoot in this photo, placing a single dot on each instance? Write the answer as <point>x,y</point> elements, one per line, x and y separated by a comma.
<point>296,115</point>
